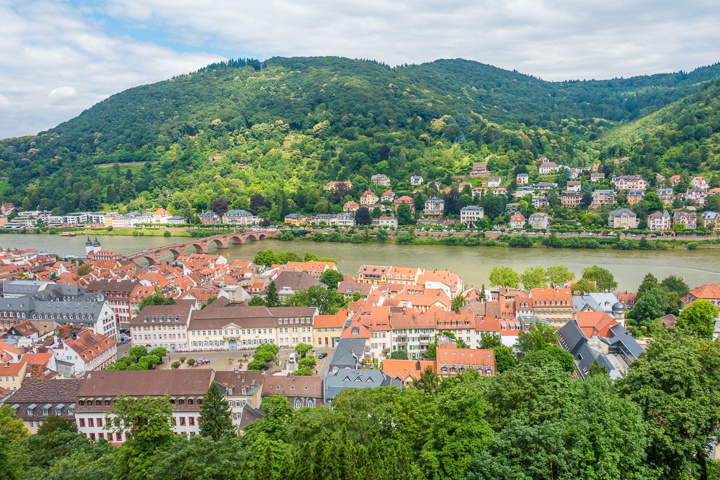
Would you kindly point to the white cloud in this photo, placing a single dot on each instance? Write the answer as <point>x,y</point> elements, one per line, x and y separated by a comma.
<point>4,102</point>
<point>62,95</point>
<point>47,46</point>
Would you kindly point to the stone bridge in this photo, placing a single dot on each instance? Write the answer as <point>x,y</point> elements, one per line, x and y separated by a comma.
<point>201,245</point>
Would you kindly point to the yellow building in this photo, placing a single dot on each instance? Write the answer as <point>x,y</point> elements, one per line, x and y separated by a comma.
<point>373,274</point>
<point>295,219</point>
<point>11,375</point>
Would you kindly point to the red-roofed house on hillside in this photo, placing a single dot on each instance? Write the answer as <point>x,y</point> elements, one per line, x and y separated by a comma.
<point>85,352</point>
<point>328,328</point>
<point>595,323</point>
<point>314,268</point>
<point>517,221</point>
<point>709,292</point>
<point>161,216</point>
<point>406,200</point>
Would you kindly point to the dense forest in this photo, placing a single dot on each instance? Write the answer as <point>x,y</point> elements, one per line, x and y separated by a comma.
<point>533,421</point>
<point>279,130</point>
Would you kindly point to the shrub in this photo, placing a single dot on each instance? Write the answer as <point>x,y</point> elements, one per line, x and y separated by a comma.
<point>182,359</point>
<point>167,233</point>
<point>175,365</point>
<point>191,361</point>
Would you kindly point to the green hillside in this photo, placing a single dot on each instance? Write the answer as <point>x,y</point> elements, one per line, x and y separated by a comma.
<point>306,121</point>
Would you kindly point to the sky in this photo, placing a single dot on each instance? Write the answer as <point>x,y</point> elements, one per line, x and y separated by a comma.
<point>60,57</point>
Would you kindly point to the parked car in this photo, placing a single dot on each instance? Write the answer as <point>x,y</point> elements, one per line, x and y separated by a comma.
<point>322,355</point>
<point>291,359</point>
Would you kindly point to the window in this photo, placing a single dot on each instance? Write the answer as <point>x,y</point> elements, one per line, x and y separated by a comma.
<point>118,437</point>
<point>191,421</point>
<point>92,436</point>
<point>90,422</point>
<point>190,401</point>
<point>100,435</point>
<point>182,421</point>
<point>99,422</point>
<point>82,422</point>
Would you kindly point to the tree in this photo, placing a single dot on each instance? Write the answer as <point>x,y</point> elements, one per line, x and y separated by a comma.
<point>265,257</point>
<point>559,275</point>
<point>457,303</point>
<point>428,381</point>
<point>699,317</point>
<point>215,421</point>
<point>200,457</point>
<point>220,206</point>
<point>680,405</point>
<point>54,424</point>
<point>362,216</point>
<point>652,305</point>
<point>537,337</point>
<point>303,371</point>
<point>84,270</point>
<point>257,364</point>
<point>308,361</point>
<point>137,352</point>
<point>676,284</point>
<point>504,277</point>
<point>147,424</point>
<point>159,352</point>
<point>155,299</point>
<point>453,204</point>
<point>272,298</point>
<point>256,301</point>
<point>604,280</point>
<point>582,287</point>
<point>399,355</point>
<point>649,282</point>
<point>302,349</point>
<point>404,214</point>
<point>534,277</point>
<point>504,359</point>
<point>331,278</point>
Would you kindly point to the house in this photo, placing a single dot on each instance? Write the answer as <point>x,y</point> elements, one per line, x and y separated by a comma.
<point>387,221</point>
<point>388,196</point>
<point>675,179</point>
<point>160,216</point>
<point>659,221</point>
<point>635,196</point>
<point>328,328</point>
<point>709,220</point>
<point>38,399</point>
<point>597,177</point>
<point>380,179</point>
<point>184,388</point>
<point>709,292</point>
<point>629,182</point>
<point>522,178</point>
<point>570,199</point>
<point>522,191</point>
<point>289,282</point>
<point>339,380</point>
<point>540,201</point>
<point>85,352</point>
<point>548,168</point>
<point>517,221</point>
<point>573,186</point>
<point>471,214</point>
<point>300,391</point>
<point>162,326</point>
<point>699,182</point>
<point>416,180</point>
<point>603,197</point>
<point>346,219</point>
<point>545,186</point>
<point>7,209</point>
<point>494,182</point>
<point>118,293</point>
<point>538,221</point>
<point>351,207</point>
<point>368,198</point>
<point>554,304</point>
<point>349,353</point>
<point>434,207</point>
<point>500,191</point>
<point>667,195</point>
<point>697,195</point>
<point>295,219</point>
<point>341,186</point>
<point>687,219</point>
<point>479,170</point>
<point>240,217</point>
<point>406,200</point>
<point>242,390</point>
<point>210,217</point>
<point>12,375</point>
<point>622,218</point>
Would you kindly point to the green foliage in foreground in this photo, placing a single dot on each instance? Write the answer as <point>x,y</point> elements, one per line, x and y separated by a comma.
<point>533,421</point>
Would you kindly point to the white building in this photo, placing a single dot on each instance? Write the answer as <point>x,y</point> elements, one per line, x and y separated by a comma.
<point>85,352</point>
<point>346,220</point>
<point>471,214</point>
<point>240,217</point>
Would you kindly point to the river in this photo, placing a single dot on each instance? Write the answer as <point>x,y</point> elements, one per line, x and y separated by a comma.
<point>473,264</point>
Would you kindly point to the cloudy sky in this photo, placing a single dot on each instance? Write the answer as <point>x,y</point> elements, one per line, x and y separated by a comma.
<point>58,58</point>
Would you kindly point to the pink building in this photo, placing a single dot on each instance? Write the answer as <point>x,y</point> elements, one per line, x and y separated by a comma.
<point>161,326</point>
<point>659,221</point>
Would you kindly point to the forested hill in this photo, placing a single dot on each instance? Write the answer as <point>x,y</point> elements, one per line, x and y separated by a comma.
<point>424,110</point>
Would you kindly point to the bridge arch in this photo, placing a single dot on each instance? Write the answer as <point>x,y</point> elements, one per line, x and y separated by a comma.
<point>150,259</point>
<point>220,242</point>
<point>238,239</point>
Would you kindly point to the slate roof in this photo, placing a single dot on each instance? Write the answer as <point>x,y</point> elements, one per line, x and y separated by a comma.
<point>343,357</point>
<point>574,341</point>
<point>345,378</point>
<point>44,392</point>
<point>249,415</point>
